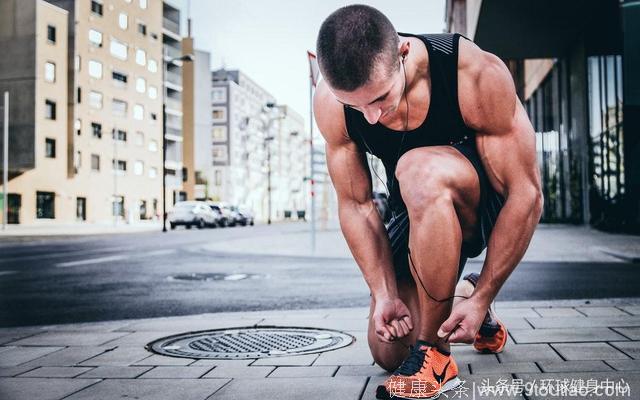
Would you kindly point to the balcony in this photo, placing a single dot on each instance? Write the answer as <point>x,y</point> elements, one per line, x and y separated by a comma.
<point>173,104</point>
<point>171,26</point>
<point>171,52</point>
<point>174,78</point>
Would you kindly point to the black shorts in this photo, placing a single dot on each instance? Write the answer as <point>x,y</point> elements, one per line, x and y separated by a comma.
<point>491,203</point>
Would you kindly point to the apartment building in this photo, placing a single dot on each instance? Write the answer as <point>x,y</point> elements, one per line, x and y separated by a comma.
<point>86,104</point>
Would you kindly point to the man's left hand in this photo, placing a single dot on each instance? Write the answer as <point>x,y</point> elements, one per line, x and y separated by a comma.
<point>464,322</point>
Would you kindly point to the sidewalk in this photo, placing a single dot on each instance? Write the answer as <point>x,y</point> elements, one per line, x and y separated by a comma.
<point>550,243</point>
<point>79,228</point>
<point>564,339</point>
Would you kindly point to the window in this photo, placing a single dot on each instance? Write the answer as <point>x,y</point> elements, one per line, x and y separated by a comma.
<point>95,37</point>
<point>78,95</point>
<point>119,134</point>
<point>153,116</point>
<point>219,153</point>
<point>153,172</point>
<point>51,33</point>
<point>119,78</point>
<point>219,95</point>
<point>153,92</point>
<point>96,130</point>
<point>138,168</point>
<point>49,72</point>
<point>50,109</point>
<point>218,178</point>
<point>153,146</point>
<point>77,161</point>
<point>78,126</point>
<point>95,162</point>
<point>123,21</point>
<point>152,65</point>
<point>143,4</point>
<point>50,148</point>
<point>119,108</point>
<point>142,29</point>
<point>81,208</point>
<point>141,57</point>
<point>138,112</point>
<point>77,63</point>
<point>45,204</point>
<point>96,7</point>
<point>95,69</point>
<point>95,99</point>
<point>118,49</point>
<point>120,165</point>
<point>139,139</point>
<point>219,114</point>
<point>118,206</point>
<point>219,133</point>
<point>141,85</point>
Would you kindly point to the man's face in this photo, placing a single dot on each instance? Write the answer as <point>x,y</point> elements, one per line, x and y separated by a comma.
<point>377,99</point>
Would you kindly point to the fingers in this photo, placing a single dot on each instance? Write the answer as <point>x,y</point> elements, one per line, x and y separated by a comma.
<point>449,325</point>
<point>459,335</point>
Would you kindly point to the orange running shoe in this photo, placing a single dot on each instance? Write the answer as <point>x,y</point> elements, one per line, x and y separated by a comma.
<point>492,335</point>
<point>425,374</point>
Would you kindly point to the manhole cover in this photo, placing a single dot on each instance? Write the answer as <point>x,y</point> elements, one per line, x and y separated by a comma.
<point>260,342</point>
<point>212,277</point>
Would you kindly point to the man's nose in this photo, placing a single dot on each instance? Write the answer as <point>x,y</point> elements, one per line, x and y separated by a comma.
<point>372,115</point>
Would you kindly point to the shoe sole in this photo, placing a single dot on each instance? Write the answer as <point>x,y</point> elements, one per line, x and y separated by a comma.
<point>382,394</point>
<point>506,339</point>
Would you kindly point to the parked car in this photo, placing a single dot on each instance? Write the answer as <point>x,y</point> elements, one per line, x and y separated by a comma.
<point>192,213</point>
<point>245,216</point>
<point>227,218</point>
<point>382,204</point>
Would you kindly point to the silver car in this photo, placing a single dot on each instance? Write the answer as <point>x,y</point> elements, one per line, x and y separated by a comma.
<point>192,213</point>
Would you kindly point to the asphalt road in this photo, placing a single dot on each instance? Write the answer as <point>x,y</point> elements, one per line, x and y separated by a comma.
<point>139,275</point>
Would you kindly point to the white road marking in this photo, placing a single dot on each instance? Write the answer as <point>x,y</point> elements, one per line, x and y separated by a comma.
<point>90,261</point>
<point>158,253</point>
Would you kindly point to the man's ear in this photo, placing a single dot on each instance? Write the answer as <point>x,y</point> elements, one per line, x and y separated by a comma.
<point>403,48</point>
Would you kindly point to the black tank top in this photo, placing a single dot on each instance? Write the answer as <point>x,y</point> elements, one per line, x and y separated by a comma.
<point>442,126</point>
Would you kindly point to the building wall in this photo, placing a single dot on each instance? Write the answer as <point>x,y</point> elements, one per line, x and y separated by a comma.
<point>535,70</point>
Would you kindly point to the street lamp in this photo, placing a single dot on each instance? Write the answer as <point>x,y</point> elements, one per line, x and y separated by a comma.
<point>186,58</point>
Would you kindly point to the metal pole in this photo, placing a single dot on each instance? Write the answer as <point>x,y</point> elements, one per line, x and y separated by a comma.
<point>312,177</point>
<point>268,182</point>
<point>5,162</point>
<point>164,171</point>
<point>115,178</point>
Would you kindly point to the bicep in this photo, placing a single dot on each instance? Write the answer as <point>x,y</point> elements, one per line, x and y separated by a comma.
<point>349,172</point>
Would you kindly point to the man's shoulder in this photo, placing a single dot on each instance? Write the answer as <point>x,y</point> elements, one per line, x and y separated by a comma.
<point>329,114</point>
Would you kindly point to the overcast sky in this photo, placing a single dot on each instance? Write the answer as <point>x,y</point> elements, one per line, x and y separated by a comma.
<point>268,40</point>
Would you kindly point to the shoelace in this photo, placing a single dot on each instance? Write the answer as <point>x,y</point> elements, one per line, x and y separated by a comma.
<point>413,363</point>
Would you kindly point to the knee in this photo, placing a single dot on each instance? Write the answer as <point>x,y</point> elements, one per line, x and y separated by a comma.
<point>424,183</point>
<point>387,356</point>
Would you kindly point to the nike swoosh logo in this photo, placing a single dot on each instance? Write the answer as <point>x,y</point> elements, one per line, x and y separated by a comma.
<point>440,377</point>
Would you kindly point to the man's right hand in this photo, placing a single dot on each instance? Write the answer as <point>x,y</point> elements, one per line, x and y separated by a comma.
<point>391,319</point>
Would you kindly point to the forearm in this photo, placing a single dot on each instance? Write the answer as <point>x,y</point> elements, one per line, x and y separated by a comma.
<point>508,242</point>
<point>367,239</point>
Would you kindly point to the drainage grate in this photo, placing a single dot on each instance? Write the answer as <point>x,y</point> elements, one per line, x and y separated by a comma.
<point>242,343</point>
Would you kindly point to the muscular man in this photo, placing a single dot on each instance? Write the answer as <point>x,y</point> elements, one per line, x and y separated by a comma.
<point>459,153</point>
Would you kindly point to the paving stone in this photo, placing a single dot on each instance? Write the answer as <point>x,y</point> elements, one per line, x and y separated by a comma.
<point>176,372</point>
<point>68,339</point>
<point>344,388</point>
<point>588,351</point>
<point>582,322</point>
<point>357,353</point>
<point>564,335</point>
<point>102,326</point>
<point>123,356</point>
<point>631,378</point>
<point>157,359</point>
<point>625,365</point>
<point>239,372</point>
<point>237,363</point>
<point>68,357</point>
<point>516,312</point>
<point>632,349</point>
<point>140,338</point>
<point>13,371</point>
<point>369,392</point>
<point>558,312</point>
<point>601,311</point>
<point>528,352</point>
<point>13,356</point>
<point>485,387</point>
<point>41,388</point>
<point>190,324</point>
<point>324,323</point>
<point>55,372</point>
<point>635,310</point>
<point>292,361</point>
<point>467,354</point>
<point>8,335</point>
<point>573,366</point>
<point>110,372</point>
<point>502,368</point>
<point>515,322</point>
<point>631,333</point>
<point>361,370</point>
<point>151,389</point>
<point>302,372</point>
